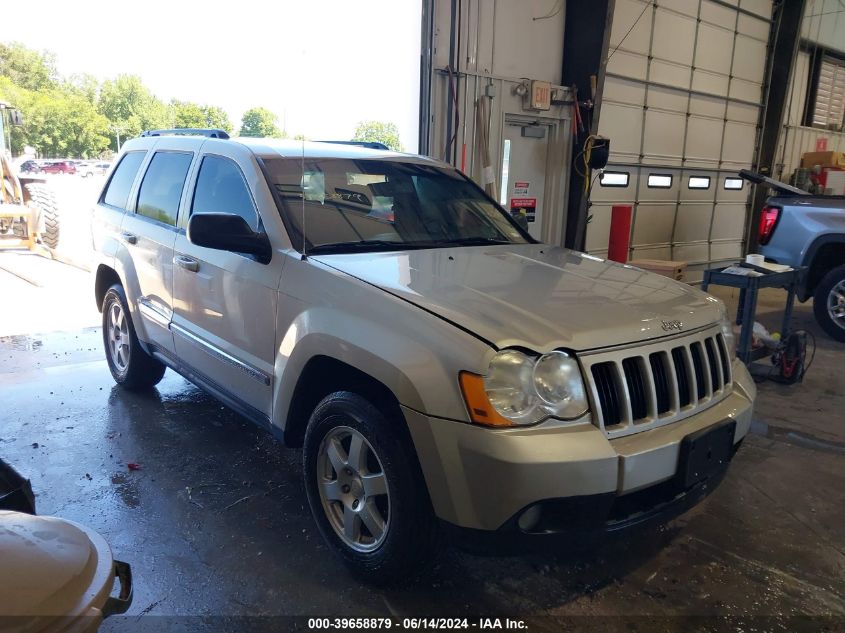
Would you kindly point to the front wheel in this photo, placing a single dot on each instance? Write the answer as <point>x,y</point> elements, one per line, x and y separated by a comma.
<point>130,366</point>
<point>366,491</point>
<point>43,199</point>
<point>829,303</point>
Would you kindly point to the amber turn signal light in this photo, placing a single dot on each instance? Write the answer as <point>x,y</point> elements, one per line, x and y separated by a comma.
<point>478,405</point>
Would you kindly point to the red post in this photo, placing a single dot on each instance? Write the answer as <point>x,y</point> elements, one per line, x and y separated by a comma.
<point>620,233</point>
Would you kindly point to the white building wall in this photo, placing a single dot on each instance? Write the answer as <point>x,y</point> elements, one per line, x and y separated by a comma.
<point>502,43</point>
<point>824,25</point>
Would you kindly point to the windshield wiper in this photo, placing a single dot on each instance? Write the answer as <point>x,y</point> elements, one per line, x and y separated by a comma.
<point>366,245</point>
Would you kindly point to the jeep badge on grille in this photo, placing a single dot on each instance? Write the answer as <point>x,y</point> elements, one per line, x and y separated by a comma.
<point>672,325</point>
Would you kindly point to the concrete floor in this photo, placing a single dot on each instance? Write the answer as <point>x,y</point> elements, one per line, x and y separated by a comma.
<point>215,521</point>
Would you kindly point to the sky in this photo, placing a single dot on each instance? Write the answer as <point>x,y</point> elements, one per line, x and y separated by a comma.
<point>320,65</point>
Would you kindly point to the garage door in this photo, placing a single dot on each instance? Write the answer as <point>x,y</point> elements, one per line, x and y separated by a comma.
<point>682,98</point>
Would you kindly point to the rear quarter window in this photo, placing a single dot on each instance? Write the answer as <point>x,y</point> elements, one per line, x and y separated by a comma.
<point>117,191</point>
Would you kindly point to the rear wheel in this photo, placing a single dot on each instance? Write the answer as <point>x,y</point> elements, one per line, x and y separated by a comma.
<point>130,366</point>
<point>44,200</point>
<point>829,303</point>
<point>365,491</point>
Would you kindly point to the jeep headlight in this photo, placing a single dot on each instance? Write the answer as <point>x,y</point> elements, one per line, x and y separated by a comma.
<point>519,389</point>
<point>726,325</point>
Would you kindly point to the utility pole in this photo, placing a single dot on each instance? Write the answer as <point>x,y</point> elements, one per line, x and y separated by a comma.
<point>117,130</point>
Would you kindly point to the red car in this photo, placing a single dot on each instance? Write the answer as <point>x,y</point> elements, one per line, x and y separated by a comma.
<point>59,167</point>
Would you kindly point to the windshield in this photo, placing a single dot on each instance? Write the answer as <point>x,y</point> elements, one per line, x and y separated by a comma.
<point>363,205</point>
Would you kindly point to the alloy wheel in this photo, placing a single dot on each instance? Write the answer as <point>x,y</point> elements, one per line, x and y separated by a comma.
<point>353,489</point>
<point>118,336</point>
<point>836,304</point>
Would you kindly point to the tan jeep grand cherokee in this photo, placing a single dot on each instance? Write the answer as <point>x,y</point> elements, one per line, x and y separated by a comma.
<point>435,363</point>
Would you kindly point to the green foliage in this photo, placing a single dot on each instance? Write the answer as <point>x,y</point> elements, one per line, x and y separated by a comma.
<point>260,122</point>
<point>57,122</point>
<point>186,114</point>
<point>26,68</point>
<point>85,85</point>
<point>130,107</point>
<point>81,117</point>
<point>378,132</point>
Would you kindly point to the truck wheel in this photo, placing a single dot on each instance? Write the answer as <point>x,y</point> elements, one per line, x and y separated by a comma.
<point>829,303</point>
<point>44,200</point>
<point>130,366</point>
<point>367,497</point>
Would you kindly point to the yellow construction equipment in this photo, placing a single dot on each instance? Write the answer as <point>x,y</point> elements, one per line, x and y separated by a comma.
<point>29,215</point>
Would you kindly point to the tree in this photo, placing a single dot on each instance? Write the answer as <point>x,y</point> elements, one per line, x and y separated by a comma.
<point>378,132</point>
<point>27,68</point>
<point>57,122</point>
<point>260,122</point>
<point>86,85</point>
<point>216,117</point>
<point>130,107</point>
<point>186,114</point>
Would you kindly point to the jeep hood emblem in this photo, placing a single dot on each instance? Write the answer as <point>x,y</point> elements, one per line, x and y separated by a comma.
<point>672,325</point>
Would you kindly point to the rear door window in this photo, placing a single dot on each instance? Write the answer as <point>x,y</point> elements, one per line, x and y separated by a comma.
<point>221,188</point>
<point>162,186</point>
<point>117,192</point>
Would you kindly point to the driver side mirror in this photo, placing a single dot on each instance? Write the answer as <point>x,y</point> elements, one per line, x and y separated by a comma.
<point>228,232</point>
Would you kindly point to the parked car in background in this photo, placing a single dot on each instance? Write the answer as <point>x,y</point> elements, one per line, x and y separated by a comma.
<point>59,167</point>
<point>799,229</point>
<point>30,167</point>
<point>93,169</point>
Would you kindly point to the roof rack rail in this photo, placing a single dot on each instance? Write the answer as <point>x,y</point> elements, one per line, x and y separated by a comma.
<point>367,144</point>
<point>188,131</point>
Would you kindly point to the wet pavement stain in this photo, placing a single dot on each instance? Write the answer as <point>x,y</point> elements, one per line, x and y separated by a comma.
<point>126,489</point>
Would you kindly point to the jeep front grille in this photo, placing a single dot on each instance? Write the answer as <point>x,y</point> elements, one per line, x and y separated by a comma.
<point>635,389</point>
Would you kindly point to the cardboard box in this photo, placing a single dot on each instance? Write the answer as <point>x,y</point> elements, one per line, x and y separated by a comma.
<point>824,159</point>
<point>665,267</point>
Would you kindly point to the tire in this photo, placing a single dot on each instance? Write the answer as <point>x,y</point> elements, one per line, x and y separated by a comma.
<point>130,366</point>
<point>829,300</point>
<point>409,540</point>
<point>44,200</point>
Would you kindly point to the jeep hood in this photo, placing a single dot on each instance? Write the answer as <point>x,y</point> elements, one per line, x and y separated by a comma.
<point>535,296</point>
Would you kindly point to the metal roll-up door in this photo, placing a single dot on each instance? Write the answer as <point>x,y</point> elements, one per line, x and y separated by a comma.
<point>681,104</point>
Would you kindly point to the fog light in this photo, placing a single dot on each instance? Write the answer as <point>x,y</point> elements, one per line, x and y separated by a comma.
<point>529,519</point>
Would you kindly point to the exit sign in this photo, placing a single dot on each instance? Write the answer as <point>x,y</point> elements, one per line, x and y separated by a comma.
<point>541,95</point>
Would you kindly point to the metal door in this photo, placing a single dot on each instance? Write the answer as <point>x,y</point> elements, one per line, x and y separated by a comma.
<point>525,155</point>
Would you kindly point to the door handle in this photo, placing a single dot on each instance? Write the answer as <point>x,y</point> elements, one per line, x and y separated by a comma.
<point>129,238</point>
<point>187,263</point>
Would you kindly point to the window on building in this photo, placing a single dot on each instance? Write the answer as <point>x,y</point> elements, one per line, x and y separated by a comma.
<point>614,179</point>
<point>659,181</point>
<point>829,95</point>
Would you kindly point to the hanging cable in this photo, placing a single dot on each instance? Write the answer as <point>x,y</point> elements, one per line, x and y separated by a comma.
<point>645,8</point>
<point>555,10</point>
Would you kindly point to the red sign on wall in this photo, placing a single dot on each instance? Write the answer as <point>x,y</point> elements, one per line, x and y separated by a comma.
<point>821,144</point>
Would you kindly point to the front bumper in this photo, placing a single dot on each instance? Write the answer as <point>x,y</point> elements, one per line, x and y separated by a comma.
<point>482,479</point>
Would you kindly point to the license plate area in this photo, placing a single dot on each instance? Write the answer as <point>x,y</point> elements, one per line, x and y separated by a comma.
<point>705,452</point>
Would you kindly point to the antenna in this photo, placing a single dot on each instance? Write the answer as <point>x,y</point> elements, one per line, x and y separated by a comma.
<point>302,186</point>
